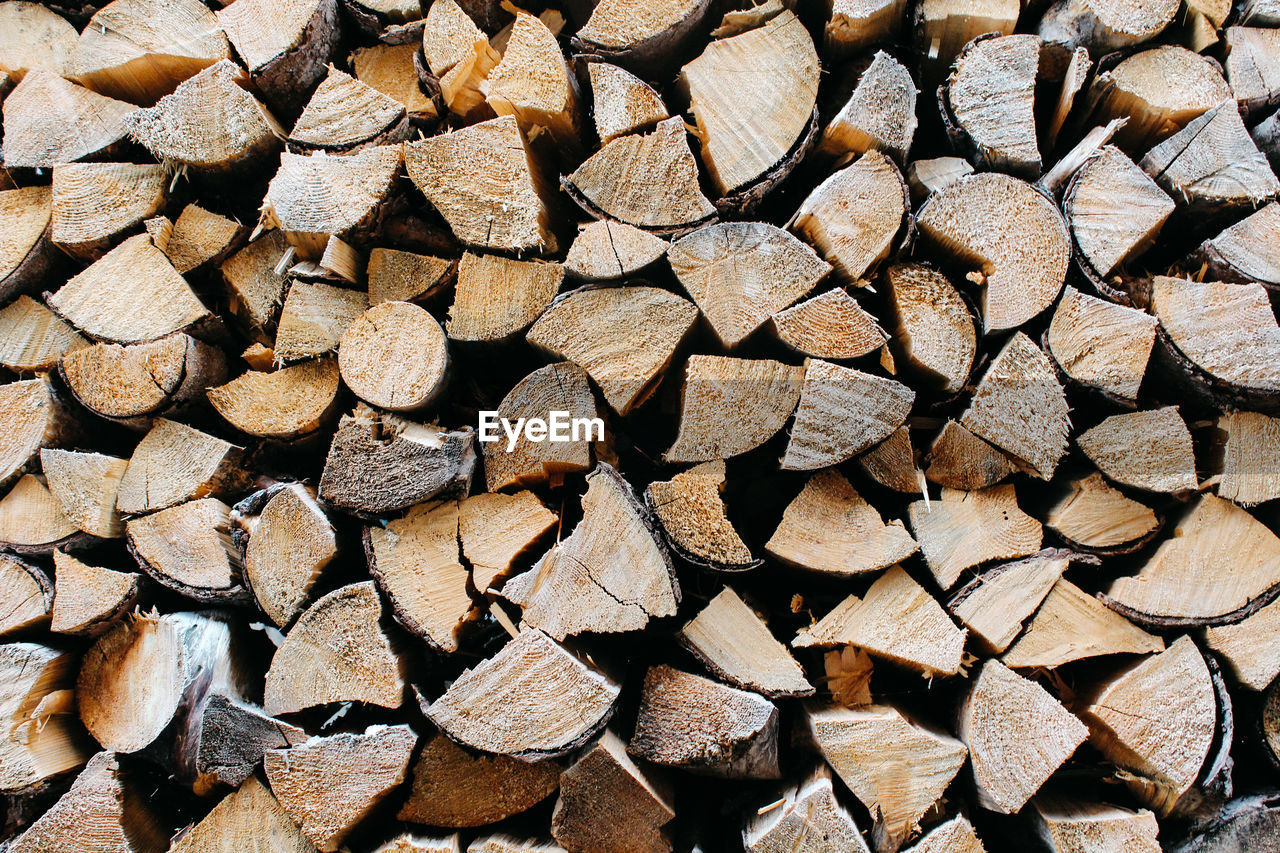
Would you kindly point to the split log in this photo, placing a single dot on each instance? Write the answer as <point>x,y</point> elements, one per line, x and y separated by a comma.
<point>1252,69</point>
<point>131,295</point>
<point>641,36</point>
<point>621,102</point>
<point>647,180</point>
<point>532,699</point>
<point>1022,380</point>
<point>1204,20</point>
<point>447,36</point>
<point>623,337</point>
<point>396,276</point>
<point>734,643</point>
<point>954,836</point>
<point>741,273</point>
<point>1100,344</point>
<point>394,356</point>
<point>174,463</point>
<point>34,37</point>
<point>896,767</point>
<point>896,620</point>
<point>1095,517</point>
<point>533,83</point>
<point>188,548</point>
<point>1017,734</point>
<point>408,843</point>
<point>1158,720</point>
<point>453,788</point>
<point>1245,251</point>
<point>27,597</point>
<point>32,338</point>
<point>1074,78</point>
<point>841,413</point>
<point>934,332</point>
<point>729,406</point>
<point>497,298</point>
<point>379,463</point>
<point>892,463</point>
<point>1072,825</point>
<point>32,522</point>
<point>560,387</point>
<point>485,182</point>
<point>227,744</point>
<point>498,529</point>
<point>256,289</point>
<point>1251,458</point>
<point>926,177</point>
<point>830,528</point>
<point>34,417</point>
<point>283,404</point>
<point>962,530</point>
<point>45,741</point>
<point>831,325</point>
<point>1072,625</point>
<point>88,599</point>
<point>1011,233</point>
<point>808,819</point>
<point>200,239</point>
<point>94,204</point>
<point>49,120</point>
<point>314,318</point>
<point>958,459</point>
<point>611,574</point>
<point>336,652</point>
<point>854,25</point>
<point>328,785</point>
<point>245,817</point>
<point>392,69</point>
<point>1103,26</point>
<point>943,28</point>
<point>134,384</point>
<point>695,521</point>
<point>345,114</point>
<point>509,844</point>
<point>605,250</point>
<point>996,603</point>
<point>1148,450</point>
<point>1242,823</point>
<point>854,217</point>
<point>607,804</point>
<point>86,486</point>
<point>286,48</point>
<point>696,724</point>
<point>880,113</point>
<point>192,126</point>
<point>991,98</point>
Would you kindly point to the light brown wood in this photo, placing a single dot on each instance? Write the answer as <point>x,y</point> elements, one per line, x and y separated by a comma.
<point>94,204</point>
<point>248,819</point>
<point>560,387</point>
<point>34,416</point>
<point>314,318</point>
<point>188,548</point>
<point>991,96</point>
<point>1103,26</point>
<point>256,289</point>
<point>345,114</point>
<point>174,463</point>
<point>394,356</point>
<point>962,530</point>
<point>841,413</point>
<point>49,120</point>
<point>1252,70</point>
<point>1249,648</point>
<point>31,521</point>
<point>605,249</point>
<point>201,238</point>
<point>892,463</point>
<point>808,819</point>
<point>954,836</point>
<point>996,603</point>
<point>1148,450</point>
<point>497,298</point>
<point>89,598</point>
<point>736,646</point>
<point>642,35</point>
<point>1070,825</point>
<point>284,45</point>
<point>944,27</point>
<point>935,335</point>
<point>958,459</point>
<point>27,595</point>
<point>621,102</point>
<point>34,36</point>
<point>1245,251</point>
<point>1095,516</point>
<point>694,518</point>
<point>46,741</point>
<point>854,25</point>
<point>447,36</point>
<point>396,276</point>
<point>408,843</point>
<point>391,69</point>
<point>32,338</point>
<point>926,177</point>
<point>496,530</point>
<point>86,485</point>
<point>831,325</point>
<point>732,405</point>
<point>533,83</point>
<point>1251,458</point>
<point>286,403</point>
<point>1072,625</point>
<point>880,113</point>
<point>1101,344</point>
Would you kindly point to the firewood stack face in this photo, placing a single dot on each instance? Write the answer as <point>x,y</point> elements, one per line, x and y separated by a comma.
<point>639,426</point>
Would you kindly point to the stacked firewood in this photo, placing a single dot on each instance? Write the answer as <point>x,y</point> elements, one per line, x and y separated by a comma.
<point>639,425</point>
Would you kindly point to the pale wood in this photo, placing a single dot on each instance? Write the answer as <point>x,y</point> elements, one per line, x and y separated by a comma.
<point>642,34</point>
<point>408,843</point>
<point>174,463</point>
<point>49,120</point>
<point>694,518</point>
<point>1095,516</point>
<point>497,298</point>
<point>42,743</point>
<point>34,36</point>
<point>892,463</point>
<point>958,459</point>
<point>27,595</point>
<point>496,530</point>
<point>284,45</point>
<point>1246,250</point>
<point>448,35</point>
<point>32,521</point>
<point>89,598</point>
<point>85,486</point>
<point>1251,459</point>
<point>809,819</point>
<point>831,325</point>
<point>201,237</point>
<point>510,844</point>
<point>935,334</point>
<point>345,114</point>
<point>991,96</point>
<point>732,405</point>
<point>996,603</point>
<point>33,416</point>
<point>1103,25</point>
<point>256,288</point>
<point>944,27</point>
<point>926,177</point>
<point>286,403</point>
<point>1148,450</point>
<point>621,102</point>
<point>1115,210</point>
<point>736,645</point>
<point>954,836</point>
<point>560,387</point>
<point>248,820</point>
<point>391,69</point>
<point>605,249</point>
<point>27,253</point>
<point>394,356</point>
<point>94,204</point>
<point>880,113</point>
<point>396,276</point>
<point>533,83</point>
<point>1252,68</point>
<point>1074,78</point>
<point>1101,344</point>
<point>1072,625</point>
<point>1250,648</point>
<point>1067,825</point>
<point>841,413</point>
<point>188,548</point>
<point>962,530</point>
<point>314,318</point>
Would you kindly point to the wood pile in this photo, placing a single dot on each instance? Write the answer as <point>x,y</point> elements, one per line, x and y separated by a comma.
<point>635,426</point>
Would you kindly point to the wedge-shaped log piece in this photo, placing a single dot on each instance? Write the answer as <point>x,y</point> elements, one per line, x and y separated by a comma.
<point>33,417</point>
<point>1217,568</point>
<point>1251,648</point>
<point>485,182</point>
<point>175,463</point>
<point>1018,735</point>
<point>994,604</point>
<point>1101,344</point>
<point>897,768</point>
<point>642,35</point>
<point>285,46</point>
<point>732,405</point>
<point>49,120</point>
<point>35,37</point>
<point>496,530</point>
<point>102,811</point>
<point>1094,516</point>
<point>454,788</point>
<point>935,334</point>
<point>287,540</point>
<point>841,413</point>
<point>1021,408</point>
<point>85,486</point>
<point>958,459</point>
<point>394,356</point>
<point>881,112</point>
<point>858,24</point>
<point>897,620</point>
<point>27,598</point>
<point>1251,460</point>
<point>954,836</point>
<point>497,298</point>
<point>315,317</point>
<point>201,238</point>
<point>133,294</point>
<point>1158,720</point>
<point>944,27</point>
<point>27,255</point>
<point>1246,251</point>
<point>1066,825</point>
<point>96,203</point>
<point>1115,210</point>
<point>809,819</point>
<point>1252,68</point>
<point>736,645</point>
<point>740,273</point>
<point>510,844</point>
<point>188,548</point>
<point>41,744</point>
<point>831,325</point>
<point>991,95</point>
<point>32,338</point>
<point>830,528</point>
<point>533,698</point>
<point>608,804</point>
<point>699,725</point>
<point>227,744</point>
<point>329,784</point>
<point>623,337</point>
<point>561,387</point>
<point>407,842</point>
<point>257,290</point>
<point>448,34</point>
<point>1103,25</point>
<point>286,403</point>
<point>1072,625</point>
<point>892,463</point>
<point>210,123</point>
<point>31,521</point>
<point>621,102</point>
<point>245,818</point>
<point>396,276</point>
<point>533,83</point>
<point>345,114</point>
<point>1148,450</point>
<point>1159,91</point>
<point>379,462</point>
<point>962,530</point>
<point>853,218</point>
<point>612,574</point>
<point>336,652</point>
<point>1011,234</point>
<point>693,516</point>
<point>605,249</point>
<point>89,598</point>
<point>391,69</point>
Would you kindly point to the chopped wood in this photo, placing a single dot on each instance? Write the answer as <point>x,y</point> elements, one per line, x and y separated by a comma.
<point>49,120</point>
<point>533,83</point>
<point>32,338</point>
<point>934,334</point>
<point>498,529</point>
<point>1100,344</point>
<point>86,485</point>
<point>831,325</point>
<point>447,36</point>
<point>841,413</point>
<point>327,785</point>
<point>96,203</point>
<point>284,404</point>
<point>700,725</point>
<point>27,598</point>
<point>735,645</point>
<point>880,113</point>
<point>623,337</point>
<point>1074,78</point>
<point>454,788</point>
<point>201,238</point>
<point>958,459</point>
<point>1251,459</point>
<point>533,698</point>
<point>642,35</point>
<point>693,516</point>
<point>605,249</point>
<point>284,46</point>
<point>396,276</point>
<point>732,405</point>
<point>89,598</point>
<point>1069,825</point>
<point>44,742</point>
<point>855,25</point>
<point>830,528</point>
<point>392,69</point>
<point>926,177</point>
<point>229,741</point>
<point>31,521</point>
<point>188,548</point>
<point>961,530</point>
<point>1252,69</point>
<point>1072,625</point>
<point>393,333</point>
<point>896,767</point>
<point>996,603</point>
<point>497,298</point>
<point>1095,517</point>
<point>174,463</point>
<point>314,319</point>
<point>509,844</point>
<point>34,417</point>
<point>34,37</point>
<point>345,114</point>
<point>808,820</point>
<point>1103,26</point>
<point>892,463</point>
<point>1017,734</point>
<point>336,652</point>
<point>954,836</point>
<point>991,96</point>
<point>621,102</point>
<point>27,254</point>
<point>608,804</point>
<point>244,817</point>
<point>1148,450</point>
<point>944,27</point>
<point>560,387</point>
<point>257,289</point>
<point>1245,251</point>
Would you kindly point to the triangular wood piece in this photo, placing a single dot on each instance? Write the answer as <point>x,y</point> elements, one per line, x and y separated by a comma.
<point>962,530</point>
<point>533,82</point>
<point>49,120</point>
<point>244,817</point>
<point>1068,826</point>
<point>1245,251</point>
<point>841,413</point>
<point>958,459</point>
<point>283,44</point>
<point>1148,450</point>
<point>991,96</point>
<point>496,298</point>
<point>188,548</point>
<point>560,387</point>
<point>396,276</point>
<point>43,743</point>
<point>954,836</point>
<point>605,249</point>
<point>995,603</point>
<point>89,598</point>
<point>809,819</point>
<point>31,521</point>
<point>227,744</point>
<point>621,102</point>
<point>1251,648</point>
<point>881,111</point>
<point>32,338</point>
<point>201,237</point>
<point>935,335</point>
<point>34,417</point>
<point>1115,210</point>
<point>692,514</point>
<point>496,529</point>
<point>636,36</point>
<point>1101,344</point>
<point>28,254</point>
<point>175,463</point>
<point>831,325</point>
<point>1094,516</point>
<point>731,405</point>
<point>892,463</point>
<point>407,842</point>
<point>344,113</point>
<point>1072,625</point>
<point>736,645</point>
<point>95,204</point>
<point>315,316</point>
